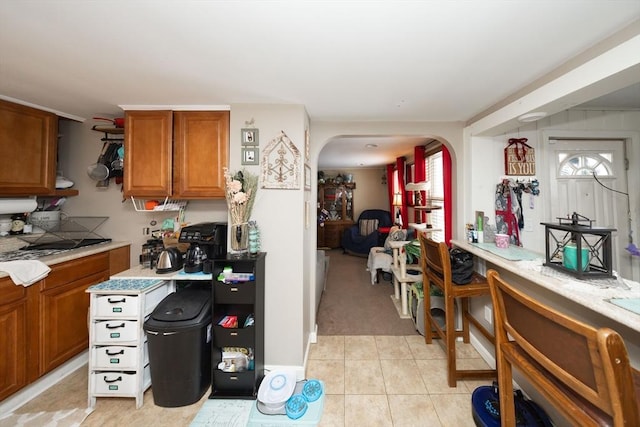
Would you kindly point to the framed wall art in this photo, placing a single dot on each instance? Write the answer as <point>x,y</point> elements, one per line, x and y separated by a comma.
<point>249,136</point>
<point>307,177</point>
<point>281,164</point>
<point>250,156</point>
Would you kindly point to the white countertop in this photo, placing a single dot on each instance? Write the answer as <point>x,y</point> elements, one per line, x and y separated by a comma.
<point>593,294</point>
<point>138,272</point>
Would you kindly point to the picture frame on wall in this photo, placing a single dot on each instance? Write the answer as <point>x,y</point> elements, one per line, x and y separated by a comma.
<point>307,177</point>
<point>250,156</point>
<point>249,136</point>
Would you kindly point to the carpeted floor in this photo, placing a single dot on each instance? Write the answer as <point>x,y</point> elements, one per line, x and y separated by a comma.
<point>351,305</point>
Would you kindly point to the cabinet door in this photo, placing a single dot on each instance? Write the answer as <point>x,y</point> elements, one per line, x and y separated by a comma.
<point>28,138</point>
<point>148,153</point>
<point>13,339</point>
<point>201,140</point>
<point>64,331</point>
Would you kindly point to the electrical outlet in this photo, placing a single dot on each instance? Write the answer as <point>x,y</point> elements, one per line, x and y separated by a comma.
<point>488,314</point>
<point>145,231</point>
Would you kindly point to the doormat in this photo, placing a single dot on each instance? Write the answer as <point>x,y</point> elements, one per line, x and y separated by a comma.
<point>223,413</point>
<point>398,305</point>
<point>62,418</point>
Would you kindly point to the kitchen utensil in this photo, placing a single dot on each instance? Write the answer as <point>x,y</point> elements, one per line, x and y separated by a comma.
<point>117,122</point>
<point>170,259</point>
<point>98,172</point>
<point>195,257</point>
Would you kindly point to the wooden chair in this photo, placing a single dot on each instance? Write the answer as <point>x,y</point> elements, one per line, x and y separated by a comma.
<point>582,371</point>
<point>436,270</point>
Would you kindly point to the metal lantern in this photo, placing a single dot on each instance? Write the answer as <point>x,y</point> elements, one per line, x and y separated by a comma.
<point>576,247</point>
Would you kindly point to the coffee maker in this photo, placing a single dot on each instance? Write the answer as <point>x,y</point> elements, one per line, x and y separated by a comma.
<point>207,241</point>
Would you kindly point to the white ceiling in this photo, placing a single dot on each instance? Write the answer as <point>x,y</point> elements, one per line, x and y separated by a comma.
<point>343,60</point>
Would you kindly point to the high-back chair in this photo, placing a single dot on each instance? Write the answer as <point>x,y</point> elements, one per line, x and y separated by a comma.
<point>582,371</point>
<point>436,270</point>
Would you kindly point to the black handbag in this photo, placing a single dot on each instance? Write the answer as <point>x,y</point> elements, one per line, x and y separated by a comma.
<point>461,266</point>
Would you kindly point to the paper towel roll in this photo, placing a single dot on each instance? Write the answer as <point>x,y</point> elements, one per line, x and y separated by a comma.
<point>11,206</point>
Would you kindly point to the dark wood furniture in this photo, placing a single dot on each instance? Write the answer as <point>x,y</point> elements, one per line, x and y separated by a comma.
<point>584,372</point>
<point>240,299</point>
<point>436,270</point>
<point>337,199</point>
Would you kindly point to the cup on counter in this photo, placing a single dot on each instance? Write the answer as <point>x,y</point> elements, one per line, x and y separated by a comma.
<point>46,220</point>
<point>502,241</point>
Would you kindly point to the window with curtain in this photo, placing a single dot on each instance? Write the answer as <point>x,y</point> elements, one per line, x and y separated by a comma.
<point>434,174</point>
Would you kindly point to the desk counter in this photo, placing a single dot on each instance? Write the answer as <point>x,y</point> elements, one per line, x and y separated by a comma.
<point>594,294</point>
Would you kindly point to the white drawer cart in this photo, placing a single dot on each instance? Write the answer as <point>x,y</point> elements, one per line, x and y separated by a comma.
<point>118,354</point>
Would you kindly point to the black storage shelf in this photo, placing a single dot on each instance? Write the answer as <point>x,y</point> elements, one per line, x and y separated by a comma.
<point>238,299</point>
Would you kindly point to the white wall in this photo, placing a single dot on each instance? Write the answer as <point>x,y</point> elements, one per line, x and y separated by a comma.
<point>487,168</point>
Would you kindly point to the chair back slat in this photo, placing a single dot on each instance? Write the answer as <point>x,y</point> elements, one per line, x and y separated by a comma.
<point>576,362</point>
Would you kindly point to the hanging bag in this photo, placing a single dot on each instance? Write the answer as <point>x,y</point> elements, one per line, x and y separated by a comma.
<point>461,266</point>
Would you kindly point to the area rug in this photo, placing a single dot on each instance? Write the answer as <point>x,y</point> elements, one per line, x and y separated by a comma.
<point>223,413</point>
<point>351,305</point>
<point>63,418</point>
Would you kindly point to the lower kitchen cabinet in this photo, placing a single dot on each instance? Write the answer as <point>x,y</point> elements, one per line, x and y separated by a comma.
<point>238,348</point>
<point>119,356</point>
<point>45,324</point>
<point>14,338</point>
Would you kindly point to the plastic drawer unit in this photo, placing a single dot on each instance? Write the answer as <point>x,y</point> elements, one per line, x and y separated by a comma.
<point>119,356</point>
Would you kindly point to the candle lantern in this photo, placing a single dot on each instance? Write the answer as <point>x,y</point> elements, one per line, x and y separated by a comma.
<point>576,247</point>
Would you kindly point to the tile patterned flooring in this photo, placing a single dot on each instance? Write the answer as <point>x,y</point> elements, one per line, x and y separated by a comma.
<point>396,381</point>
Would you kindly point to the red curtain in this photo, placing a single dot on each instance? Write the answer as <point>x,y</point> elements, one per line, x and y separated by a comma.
<point>390,189</point>
<point>448,193</point>
<point>420,174</point>
<point>400,161</point>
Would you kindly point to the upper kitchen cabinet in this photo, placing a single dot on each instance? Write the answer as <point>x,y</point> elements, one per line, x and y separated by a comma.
<point>28,148</point>
<point>177,154</point>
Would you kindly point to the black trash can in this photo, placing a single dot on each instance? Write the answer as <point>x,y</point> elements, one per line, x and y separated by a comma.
<point>179,339</point>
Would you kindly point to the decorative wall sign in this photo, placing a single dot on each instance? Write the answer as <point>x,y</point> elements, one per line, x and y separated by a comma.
<point>249,136</point>
<point>519,158</point>
<point>281,164</point>
<point>306,146</point>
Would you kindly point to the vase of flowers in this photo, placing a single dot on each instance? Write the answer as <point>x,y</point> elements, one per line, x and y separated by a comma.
<point>240,192</point>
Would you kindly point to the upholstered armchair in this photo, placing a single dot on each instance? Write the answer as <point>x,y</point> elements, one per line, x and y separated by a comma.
<point>365,233</point>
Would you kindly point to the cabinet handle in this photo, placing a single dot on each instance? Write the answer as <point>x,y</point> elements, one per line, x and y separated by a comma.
<point>112,381</point>
<point>121,325</point>
<point>234,289</point>
<point>233,334</point>
<point>116,301</point>
<point>233,378</point>
<point>114,353</point>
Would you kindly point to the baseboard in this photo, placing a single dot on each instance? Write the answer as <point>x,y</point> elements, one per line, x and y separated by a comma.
<point>482,350</point>
<point>31,391</point>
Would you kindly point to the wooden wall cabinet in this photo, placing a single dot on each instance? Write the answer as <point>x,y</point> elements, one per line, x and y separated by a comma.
<point>337,199</point>
<point>28,138</point>
<point>178,154</point>
<point>45,324</point>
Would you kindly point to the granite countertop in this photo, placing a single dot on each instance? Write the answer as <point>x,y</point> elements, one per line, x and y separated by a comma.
<point>594,294</point>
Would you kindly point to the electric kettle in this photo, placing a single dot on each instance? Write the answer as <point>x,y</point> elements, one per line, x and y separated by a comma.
<point>170,259</point>
<point>195,258</point>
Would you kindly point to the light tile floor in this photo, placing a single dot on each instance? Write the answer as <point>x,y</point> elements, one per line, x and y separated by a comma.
<point>394,381</point>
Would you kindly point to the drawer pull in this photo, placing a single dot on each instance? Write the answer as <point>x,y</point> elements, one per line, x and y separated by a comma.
<point>116,301</point>
<point>114,353</point>
<point>108,326</point>
<point>234,378</point>
<point>112,381</point>
<point>234,289</point>
<point>233,334</point>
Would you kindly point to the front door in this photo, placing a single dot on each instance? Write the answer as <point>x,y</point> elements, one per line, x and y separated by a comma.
<point>589,177</point>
